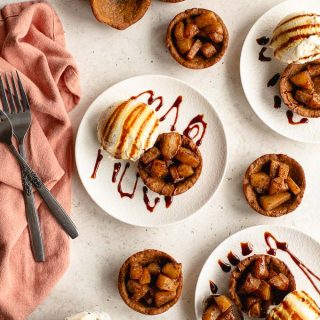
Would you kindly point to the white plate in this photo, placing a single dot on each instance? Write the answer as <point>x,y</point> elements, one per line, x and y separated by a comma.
<point>305,247</point>
<point>104,192</point>
<point>255,75</point>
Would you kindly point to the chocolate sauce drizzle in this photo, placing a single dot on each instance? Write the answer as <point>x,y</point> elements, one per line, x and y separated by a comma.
<point>151,98</point>
<point>291,121</point>
<point>97,164</point>
<point>194,126</point>
<point>116,169</point>
<point>277,102</point>
<point>233,258</point>
<point>246,248</point>
<point>176,105</point>
<point>262,41</point>
<point>262,57</point>
<point>273,81</point>
<point>226,267</point>
<point>168,201</point>
<point>213,287</point>
<point>147,200</point>
<point>283,246</point>
<point>121,192</point>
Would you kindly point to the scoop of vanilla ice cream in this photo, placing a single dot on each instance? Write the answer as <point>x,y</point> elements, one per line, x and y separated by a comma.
<point>296,39</point>
<point>296,305</point>
<point>90,316</point>
<point>128,129</point>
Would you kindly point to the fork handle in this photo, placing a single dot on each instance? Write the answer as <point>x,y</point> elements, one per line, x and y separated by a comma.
<point>56,209</point>
<point>32,215</point>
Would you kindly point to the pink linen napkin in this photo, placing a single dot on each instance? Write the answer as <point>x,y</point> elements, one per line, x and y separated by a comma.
<point>32,41</point>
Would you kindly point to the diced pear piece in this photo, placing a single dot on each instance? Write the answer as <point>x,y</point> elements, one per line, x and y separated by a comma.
<point>283,170</point>
<point>175,174</point>
<point>303,80</point>
<point>269,202</point>
<point>163,297</point>
<point>255,310</point>
<point>191,30</point>
<point>172,270</point>
<point>214,27</point>
<point>260,180</point>
<point>216,37</point>
<point>170,145</point>
<point>314,103</point>
<point>250,300</point>
<point>145,277</point>
<point>136,270</point>
<point>303,97</point>
<point>185,170</point>
<point>264,291</point>
<point>211,313</point>
<point>205,19</point>
<point>274,168</point>
<point>150,155</point>
<point>179,31</point>
<point>187,156</point>
<point>223,302</point>
<point>165,283</point>
<point>294,188</point>
<point>277,185</point>
<point>280,282</point>
<point>208,50</point>
<point>138,290</point>
<point>314,70</point>
<point>194,49</point>
<point>260,269</point>
<point>159,168</point>
<point>154,268</point>
<point>184,45</point>
<point>250,284</point>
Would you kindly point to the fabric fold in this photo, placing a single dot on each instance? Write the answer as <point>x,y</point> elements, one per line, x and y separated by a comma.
<point>32,42</point>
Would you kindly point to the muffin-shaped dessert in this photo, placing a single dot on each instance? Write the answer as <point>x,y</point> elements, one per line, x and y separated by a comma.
<point>150,282</point>
<point>119,14</point>
<point>274,185</point>
<point>197,38</point>
<point>128,129</point>
<point>220,307</point>
<point>300,88</point>
<point>258,282</point>
<point>172,166</point>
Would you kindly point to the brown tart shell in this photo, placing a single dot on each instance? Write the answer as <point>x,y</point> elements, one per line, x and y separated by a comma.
<point>297,174</point>
<point>198,62</point>
<point>119,14</point>
<point>241,270</point>
<point>287,90</point>
<point>167,188</point>
<point>145,257</point>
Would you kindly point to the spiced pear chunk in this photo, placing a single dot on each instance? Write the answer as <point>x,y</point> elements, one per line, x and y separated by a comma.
<point>150,282</point>
<point>197,38</point>
<point>274,185</point>
<point>220,307</point>
<point>259,282</point>
<point>172,166</point>
<point>300,88</point>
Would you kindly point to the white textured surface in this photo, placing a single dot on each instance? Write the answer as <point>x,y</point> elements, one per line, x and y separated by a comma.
<point>106,56</point>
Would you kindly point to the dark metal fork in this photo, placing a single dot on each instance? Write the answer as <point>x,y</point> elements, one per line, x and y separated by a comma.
<point>56,209</point>
<point>21,121</point>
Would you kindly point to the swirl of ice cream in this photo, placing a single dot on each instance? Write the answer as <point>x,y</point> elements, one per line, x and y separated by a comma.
<point>296,305</point>
<point>296,39</point>
<point>128,129</point>
<point>90,316</point>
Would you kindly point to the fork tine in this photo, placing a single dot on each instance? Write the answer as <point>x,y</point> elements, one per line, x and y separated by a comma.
<point>23,94</point>
<point>11,101</point>
<point>3,97</point>
<point>17,99</point>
